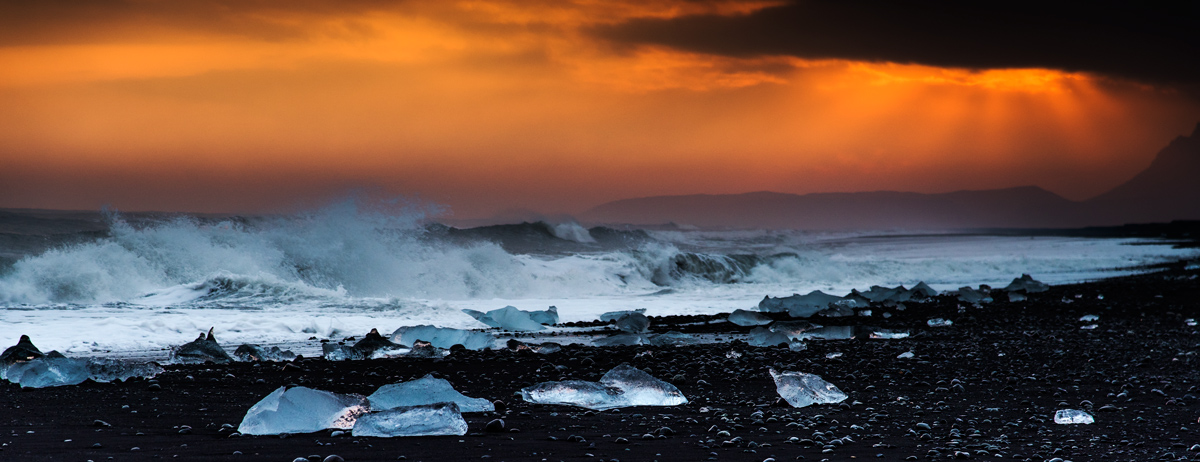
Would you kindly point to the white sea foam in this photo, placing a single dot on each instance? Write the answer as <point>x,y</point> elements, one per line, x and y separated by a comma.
<point>348,268</point>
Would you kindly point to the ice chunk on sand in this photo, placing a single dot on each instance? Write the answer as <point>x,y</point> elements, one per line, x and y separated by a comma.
<point>338,352</point>
<point>24,350</point>
<point>1089,318</point>
<point>373,342</point>
<point>828,333</point>
<point>51,370</point>
<point>1027,284</point>
<point>634,323</point>
<point>800,389</point>
<point>423,391</point>
<point>799,306</point>
<point>248,352</point>
<point>108,370</point>
<point>424,420</point>
<point>970,295</point>
<point>202,350</point>
<point>906,355</point>
<point>548,317</point>
<point>793,329</point>
<point>764,337</point>
<point>673,338</point>
<point>623,340</point>
<point>1016,297</point>
<point>510,318</point>
<point>939,322</point>
<point>888,334</point>
<point>613,315</point>
<point>881,294</point>
<point>302,410</point>
<point>442,337</point>
<point>748,318</point>
<point>623,386</point>
<point>1072,416</point>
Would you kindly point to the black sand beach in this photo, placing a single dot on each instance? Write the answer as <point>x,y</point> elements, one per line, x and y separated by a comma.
<point>985,388</point>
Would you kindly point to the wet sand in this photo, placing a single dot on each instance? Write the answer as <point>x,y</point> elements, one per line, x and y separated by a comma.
<point>985,388</point>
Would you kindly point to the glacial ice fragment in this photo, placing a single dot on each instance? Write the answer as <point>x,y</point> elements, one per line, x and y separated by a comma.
<point>1016,297</point>
<point>939,322</point>
<point>748,318</point>
<point>922,291</point>
<point>51,370</point>
<point>623,340</point>
<point>423,391</point>
<point>793,329</point>
<point>423,420</point>
<point>623,386</point>
<point>673,338</point>
<point>337,352</point>
<point>1028,284</point>
<point>969,295</point>
<point>634,323</point>
<point>828,333</point>
<point>511,319</point>
<point>249,352</point>
<point>764,337</point>
<point>443,337</point>
<point>888,334</point>
<point>548,317</point>
<point>202,350</point>
<point>108,370</point>
<point>1089,318</point>
<point>800,389</point>
<point>1072,416</point>
<point>906,355</point>
<point>302,410</point>
<point>613,315</point>
<point>799,306</point>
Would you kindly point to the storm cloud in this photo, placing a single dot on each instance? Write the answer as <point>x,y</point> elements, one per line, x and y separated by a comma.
<point>1150,42</point>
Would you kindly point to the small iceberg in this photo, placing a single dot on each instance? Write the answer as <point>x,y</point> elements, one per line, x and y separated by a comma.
<point>1072,416</point>
<point>623,386</point>
<point>443,337</point>
<point>801,389</point>
<point>302,410</point>
<point>436,419</point>
<point>425,391</point>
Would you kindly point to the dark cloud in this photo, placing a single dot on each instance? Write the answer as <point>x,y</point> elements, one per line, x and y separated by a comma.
<point>1152,42</point>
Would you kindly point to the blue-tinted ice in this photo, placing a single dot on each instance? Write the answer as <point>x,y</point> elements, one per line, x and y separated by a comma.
<point>1072,416</point>
<point>623,386</point>
<point>424,420</point>
<point>800,389</point>
<point>423,391</point>
<point>442,337</point>
<point>302,410</point>
<point>512,319</point>
<point>51,370</point>
<point>748,318</point>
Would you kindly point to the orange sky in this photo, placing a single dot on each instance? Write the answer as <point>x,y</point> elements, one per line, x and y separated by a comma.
<point>491,105</point>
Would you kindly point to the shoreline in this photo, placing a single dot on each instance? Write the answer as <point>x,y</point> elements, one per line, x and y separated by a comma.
<point>985,387</point>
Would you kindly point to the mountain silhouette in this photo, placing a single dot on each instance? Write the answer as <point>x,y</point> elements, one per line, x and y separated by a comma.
<point>1167,190</point>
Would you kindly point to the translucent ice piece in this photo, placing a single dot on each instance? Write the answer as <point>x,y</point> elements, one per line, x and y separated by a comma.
<point>634,323</point>
<point>748,318</point>
<point>548,317</point>
<point>970,295</point>
<point>1016,297</point>
<point>51,370</point>
<point>623,386</point>
<point>764,337</point>
<point>800,389</point>
<point>424,420</point>
<point>673,338</point>
<point>793,329</point>
<point>336,352</point>
<point>202,350</point>
<point>922,290</point>
<point>1089,318</point>
<point>906,355</point>
<point>442,337</point>
<point>799,306</point>
<point>939,322</point>
<point>828,333</point>
<point>613,315</point>
<point>1072,416</point>
<point>889,334</point>
<point>591,395</point>
<point>623,340</point>
<point>302,410</point>
<point>512,319</point>
<point>642,389</point>
<point>108,370</point>
<point>248,352</point>
<point>423,391</point>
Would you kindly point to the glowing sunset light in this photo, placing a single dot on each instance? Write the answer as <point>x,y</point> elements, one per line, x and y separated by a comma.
<point>488,105</point>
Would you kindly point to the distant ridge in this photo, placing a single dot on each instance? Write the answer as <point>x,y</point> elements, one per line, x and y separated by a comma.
<point>1168,190</point>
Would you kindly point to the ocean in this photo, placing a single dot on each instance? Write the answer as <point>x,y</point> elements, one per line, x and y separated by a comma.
<point>106,283</point>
